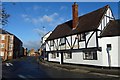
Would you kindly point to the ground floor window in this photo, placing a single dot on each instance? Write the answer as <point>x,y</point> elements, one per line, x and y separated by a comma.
<point>53,55</point>
<point>91,55</point>
<point>57,54</point>
<point>68,55</point>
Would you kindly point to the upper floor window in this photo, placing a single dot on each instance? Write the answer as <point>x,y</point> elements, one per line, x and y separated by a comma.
<point>3,37</point>
<point>10,54</point>
<point>2,45</point>
<point>10,46</point>
<point>81,37</point>
<point>11,39</point>
<point>62,41</point>
<point>109,47</point>
<point>52,43</point>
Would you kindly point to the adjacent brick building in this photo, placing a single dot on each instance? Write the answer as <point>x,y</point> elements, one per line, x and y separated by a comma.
<point>10,45</point>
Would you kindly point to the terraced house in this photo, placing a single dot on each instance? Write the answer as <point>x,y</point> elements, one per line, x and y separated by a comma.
<point>10,45</point>
<point>91,39</point>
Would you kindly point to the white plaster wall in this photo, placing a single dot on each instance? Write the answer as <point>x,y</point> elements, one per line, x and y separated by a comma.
<point>69,40</point>
<point>113,52</point>
<point>119,51</point>
<point>82,44</point>
<point>77,58</point>
<point>53,59</point>
<point>92,41</point>
<point>104,20</point>
<point>47,46</point>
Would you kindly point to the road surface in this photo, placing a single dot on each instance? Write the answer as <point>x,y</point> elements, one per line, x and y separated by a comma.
<point>28,68</point>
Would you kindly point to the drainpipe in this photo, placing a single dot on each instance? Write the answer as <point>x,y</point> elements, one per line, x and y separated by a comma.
<point>109,58</point>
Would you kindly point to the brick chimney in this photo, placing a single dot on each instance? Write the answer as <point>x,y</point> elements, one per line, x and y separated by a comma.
<point>75,15</point>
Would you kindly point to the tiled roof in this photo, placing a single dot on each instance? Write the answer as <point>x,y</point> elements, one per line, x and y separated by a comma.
<point>87,22</point>
<point>112,29</point>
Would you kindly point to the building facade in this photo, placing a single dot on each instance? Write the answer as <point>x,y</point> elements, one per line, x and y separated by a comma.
<point>10,45</point>
<point>83,40</point>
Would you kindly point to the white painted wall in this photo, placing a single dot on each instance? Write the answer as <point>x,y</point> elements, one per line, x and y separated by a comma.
<point>57,59</point>
<point>77,58</point>
<point>104,21</point>
<point>92,41</point>
<point>113,52</point>
<point>119,51</point>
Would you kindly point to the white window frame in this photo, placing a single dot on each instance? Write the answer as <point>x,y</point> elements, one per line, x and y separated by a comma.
<point>10,54</point>
<point>1,53</point>
<point>68,55</point>
<point>11,39</point>
<point>2,45</point>
<point>90,55</point>
<point>53,55</point>
<point>63,41</point>
<point>10,46</point>
<point>52,43</point>
<point>2,37</point>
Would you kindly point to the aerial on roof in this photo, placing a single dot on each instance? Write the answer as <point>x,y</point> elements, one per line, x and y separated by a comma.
<point>87,22</point>
<point>112,29</point>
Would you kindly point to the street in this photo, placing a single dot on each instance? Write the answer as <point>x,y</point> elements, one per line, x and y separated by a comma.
<point>28,68</point>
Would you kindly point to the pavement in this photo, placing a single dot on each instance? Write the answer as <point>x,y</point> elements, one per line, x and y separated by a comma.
<point>84,69</point>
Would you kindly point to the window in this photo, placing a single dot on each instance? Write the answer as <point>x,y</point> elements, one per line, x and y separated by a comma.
<point>90,55</point>
<point>1,53</point>
<point>57,54</point>
<point>2,45</point>
<point>10,54</point>
<point>11,39</point>
<point>51,43</point>
<point>109,47</point>
<point>62,41</point>
<point>10,46</point>
<point>53,55</point>
<point>3,37</point>
<point>68,55</point>
<point>81,37</point>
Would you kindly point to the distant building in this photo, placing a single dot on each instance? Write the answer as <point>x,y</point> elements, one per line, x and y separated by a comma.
<point>10,45</point>
<point>92,39</point>
<point>32,52</point>
<point>24,50</point>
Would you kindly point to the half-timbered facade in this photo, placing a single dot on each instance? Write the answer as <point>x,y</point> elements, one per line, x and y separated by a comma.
<point>79,40</point>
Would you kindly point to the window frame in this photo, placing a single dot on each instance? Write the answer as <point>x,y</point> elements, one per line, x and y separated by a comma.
<point>80,37</point>
<point>2,45</point>
<point>53,55</point>
<point>91,55</point>
<point>51,42</point>
<point>2,37</point>
<point>1,53</point>
<point>68,55</point>
<point>62,41</point>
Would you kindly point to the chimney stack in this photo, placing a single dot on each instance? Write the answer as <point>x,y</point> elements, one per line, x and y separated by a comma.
<point>75,15</point>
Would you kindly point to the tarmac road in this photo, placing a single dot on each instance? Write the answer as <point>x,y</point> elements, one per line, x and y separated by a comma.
<point>28,68</point>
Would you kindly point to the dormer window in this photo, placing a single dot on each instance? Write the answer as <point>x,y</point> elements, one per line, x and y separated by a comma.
<point>62,41</point>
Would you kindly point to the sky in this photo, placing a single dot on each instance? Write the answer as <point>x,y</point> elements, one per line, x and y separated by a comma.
<point>29,21</point>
